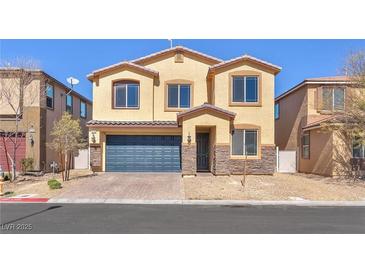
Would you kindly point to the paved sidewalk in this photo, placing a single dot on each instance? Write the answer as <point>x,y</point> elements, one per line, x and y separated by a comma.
<point>136,186</point>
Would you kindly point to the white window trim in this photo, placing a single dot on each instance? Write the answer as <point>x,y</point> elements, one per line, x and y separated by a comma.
<point>244,89</point>
<point>126,96</point>
<point>244,144</point>
<point>178,96</point>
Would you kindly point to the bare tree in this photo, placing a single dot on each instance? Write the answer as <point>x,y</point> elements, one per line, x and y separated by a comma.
<point>67,138</point>
<point>244,175</point>
<point>17,89</point>
<point>348,126</point>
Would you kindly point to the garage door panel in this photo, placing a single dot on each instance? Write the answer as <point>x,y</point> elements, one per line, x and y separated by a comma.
<point>143,153</point>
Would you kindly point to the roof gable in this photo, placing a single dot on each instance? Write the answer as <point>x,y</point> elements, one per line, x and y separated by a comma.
<point>240,60</point>
<point>123,66</point>
<point>178,49</point>
<point>330,80</point>
<point>205,107</point>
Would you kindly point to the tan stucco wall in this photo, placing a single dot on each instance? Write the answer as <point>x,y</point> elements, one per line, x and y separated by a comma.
<point>321,147</point>
<point>191,70</point>
<point>152,93</point>
<point>262,116</point>
<point>221,125</point>
<point>293,115</point>
<point>102,94</point>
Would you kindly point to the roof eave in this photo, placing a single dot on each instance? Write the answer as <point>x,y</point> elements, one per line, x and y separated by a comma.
<point>99,72</point>
<point>306,82</point>
<point>215,69</point>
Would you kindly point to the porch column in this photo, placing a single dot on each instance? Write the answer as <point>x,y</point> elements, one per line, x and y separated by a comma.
<point>188,150</point>
<point>221,159</point>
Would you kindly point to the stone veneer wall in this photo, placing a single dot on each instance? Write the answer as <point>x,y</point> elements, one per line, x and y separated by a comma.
<point>223,165</point>
<point>95,158</point>
<point>188,159</point>
<point>221,159</point>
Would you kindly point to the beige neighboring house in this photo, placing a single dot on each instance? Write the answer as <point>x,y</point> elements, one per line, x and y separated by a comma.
<point>46,103</point>
<point>179,110</point>
<point>299,116</point>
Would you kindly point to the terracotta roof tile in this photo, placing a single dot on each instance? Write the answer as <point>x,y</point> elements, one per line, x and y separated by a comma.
<point>320,80</point>
<point>181,48</point>
<point>206,106</point>
<point>242,58</point>
<point>132,123</point>
<point>121,64</point>
<point>341,78</point>
<point>316,120</point>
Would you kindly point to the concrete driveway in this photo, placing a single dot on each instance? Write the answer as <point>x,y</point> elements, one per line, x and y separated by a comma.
<point>118,185</point>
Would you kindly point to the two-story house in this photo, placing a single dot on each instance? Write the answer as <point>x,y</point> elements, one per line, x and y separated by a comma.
<point>301,115</point>
<point>182,110</point>
<point>42,103</point>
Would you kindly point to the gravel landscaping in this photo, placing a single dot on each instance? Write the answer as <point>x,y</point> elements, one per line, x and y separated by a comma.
<point>294,187</point>
<point>204,186</point>
<point>38,187</point>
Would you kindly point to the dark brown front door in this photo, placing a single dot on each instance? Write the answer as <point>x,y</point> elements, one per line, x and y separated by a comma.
<point>202,151</point>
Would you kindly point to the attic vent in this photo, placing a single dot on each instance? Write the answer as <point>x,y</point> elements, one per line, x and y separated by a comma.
<point>179,57</point>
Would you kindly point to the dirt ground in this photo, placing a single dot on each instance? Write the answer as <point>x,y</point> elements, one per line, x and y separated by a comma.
<point>208,187</point>
<point>294,187</point>
<point>38,187</point>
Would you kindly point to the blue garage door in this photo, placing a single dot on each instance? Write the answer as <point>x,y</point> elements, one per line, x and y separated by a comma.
<point>141,153</point>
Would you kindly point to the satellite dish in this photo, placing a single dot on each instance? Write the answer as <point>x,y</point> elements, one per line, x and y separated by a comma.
<point>72,81</point>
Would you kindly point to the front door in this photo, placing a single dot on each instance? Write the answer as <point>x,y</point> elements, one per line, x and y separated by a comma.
<point>202,151</point>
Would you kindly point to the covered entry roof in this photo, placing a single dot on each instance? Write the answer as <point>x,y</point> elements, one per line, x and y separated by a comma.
<point>204,107</point>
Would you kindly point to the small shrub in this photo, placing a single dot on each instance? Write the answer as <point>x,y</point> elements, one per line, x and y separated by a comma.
<point>9,193</point>
<point>54,184</point>
<point>27,164</point>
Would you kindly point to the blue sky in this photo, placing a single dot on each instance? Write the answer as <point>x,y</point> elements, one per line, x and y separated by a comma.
<point>299,58</point>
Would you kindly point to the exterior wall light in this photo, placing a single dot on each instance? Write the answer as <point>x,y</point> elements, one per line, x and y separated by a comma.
<point>31,135</point>
<point>93,139</point>
<point>189,138</point>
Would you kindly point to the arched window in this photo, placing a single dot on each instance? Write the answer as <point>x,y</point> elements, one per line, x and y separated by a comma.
<point>126,94</point>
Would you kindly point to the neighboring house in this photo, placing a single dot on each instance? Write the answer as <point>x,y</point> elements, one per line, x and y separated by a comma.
<point>48,102</point>
<point>182,110</point>
<point>300,114</point>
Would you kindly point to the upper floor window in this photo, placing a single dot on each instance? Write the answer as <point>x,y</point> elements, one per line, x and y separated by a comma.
<point>50,96</point>
<point>178,95</point>
<point>244,142</point>
<point>277,111</point>
<point>83,109</point>
<point>306,145</point>
<point>69,103</point>
<point>126,95</point>
<point>358,148</point>
<point>245,89</point>
<point>333,98</point>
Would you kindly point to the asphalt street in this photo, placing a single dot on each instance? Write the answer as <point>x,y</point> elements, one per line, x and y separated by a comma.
<point>121,218</point>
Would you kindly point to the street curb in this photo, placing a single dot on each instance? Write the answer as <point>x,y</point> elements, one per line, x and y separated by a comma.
<point>208,202</point>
